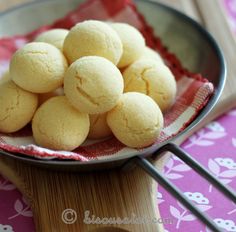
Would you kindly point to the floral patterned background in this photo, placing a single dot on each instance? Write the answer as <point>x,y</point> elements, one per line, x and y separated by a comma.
<point>214,146</point>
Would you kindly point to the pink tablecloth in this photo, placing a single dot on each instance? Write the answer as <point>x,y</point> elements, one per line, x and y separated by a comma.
<point>214,146</point>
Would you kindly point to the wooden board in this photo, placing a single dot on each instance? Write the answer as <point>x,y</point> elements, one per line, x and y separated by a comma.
<point>114,193</point>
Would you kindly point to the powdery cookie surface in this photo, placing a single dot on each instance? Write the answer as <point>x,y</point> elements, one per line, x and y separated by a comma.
<point>98,126</point>
<point>152,78</point>
<point>93,84</point>
<point>38,67</point>
<point>17,107</point>
<point>93,38</point>
<point>136,121</point>
<point>55,37</point>
<point>59,126</point>
<point>133,43</point>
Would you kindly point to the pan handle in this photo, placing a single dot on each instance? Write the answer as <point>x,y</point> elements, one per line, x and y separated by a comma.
<point>175,191</point>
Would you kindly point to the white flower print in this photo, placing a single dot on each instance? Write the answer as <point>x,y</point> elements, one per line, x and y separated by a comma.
<point>173,167</point>
<point>215,126</point>
<point>182,214</point>
<point>159,198</point>
<point>6,185</point>
<point>228,225</point>
<point>226,162</point>
<point>207,138</point>
<point>21,209</point>
<point>224,176</point>
<point>6,228</point>
<point>197,197</point>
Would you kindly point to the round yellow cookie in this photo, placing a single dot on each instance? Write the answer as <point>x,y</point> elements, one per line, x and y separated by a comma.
<point>59,126</point>
<point>151,54</point>
<point>152,78</point>
<point>55,37</point>
<point>93,38</point>
<point>136,121</point>
<point>133,43</point>
<point>38,67</point>
<point>93,84</point>
<point>98,126</point>
<point>17,107</point>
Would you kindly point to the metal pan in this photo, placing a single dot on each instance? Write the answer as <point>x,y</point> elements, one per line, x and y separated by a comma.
<point>193,45</point>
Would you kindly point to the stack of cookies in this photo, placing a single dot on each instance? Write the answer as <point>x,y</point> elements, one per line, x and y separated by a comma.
<point>96,80</point>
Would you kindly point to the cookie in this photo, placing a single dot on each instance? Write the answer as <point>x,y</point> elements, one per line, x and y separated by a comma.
<point>54,37</point>
<point>93,38</point>
<point>38,67</point>
<point>17,107</point>
<point>93,84</point>
<point>59,126</point>
<point>152,78</point>
<point>133,43</point>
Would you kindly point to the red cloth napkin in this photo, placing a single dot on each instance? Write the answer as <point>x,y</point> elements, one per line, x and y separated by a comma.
<point>192,95</point>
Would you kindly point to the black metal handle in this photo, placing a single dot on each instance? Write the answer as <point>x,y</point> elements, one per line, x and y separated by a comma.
<point>175,191</point>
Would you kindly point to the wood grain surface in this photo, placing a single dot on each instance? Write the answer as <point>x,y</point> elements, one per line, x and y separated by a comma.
<point>114,193</point>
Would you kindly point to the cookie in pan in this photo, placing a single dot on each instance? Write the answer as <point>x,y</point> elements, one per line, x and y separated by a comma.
<point>133,43</point>
<point>152,78</point>
<point>58,125</point>
<point>17,107</point>
<point>136,120</point>
<point>54,37</point>
<point>93,84</point>
<point>93,38</point>
<point>38,67</point>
